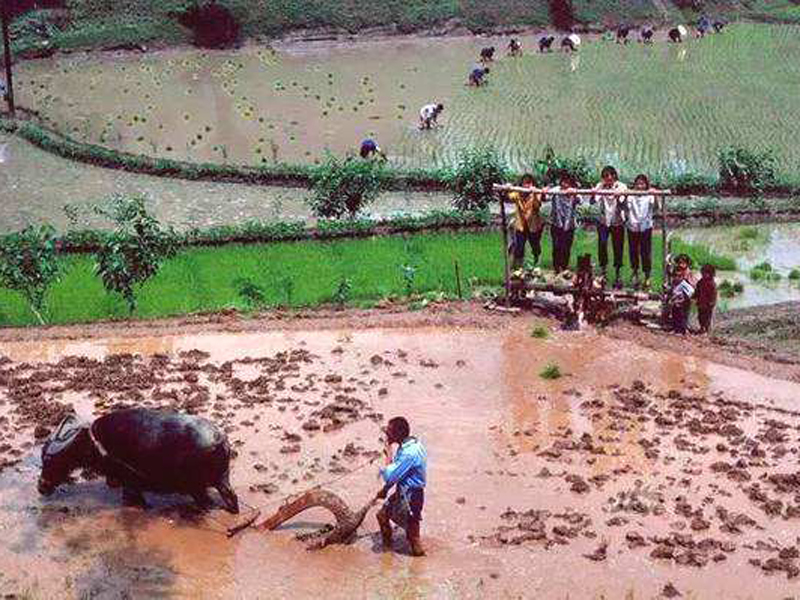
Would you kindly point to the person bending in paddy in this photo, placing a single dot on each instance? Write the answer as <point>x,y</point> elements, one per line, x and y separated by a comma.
<point>639,220</point>
<point>477,76</point>
<point>408,471</point>
<point>370,149</point>
<point>528,223</point>
<point>429,114</point>
<point>611,223</point>
<point>563,219</point>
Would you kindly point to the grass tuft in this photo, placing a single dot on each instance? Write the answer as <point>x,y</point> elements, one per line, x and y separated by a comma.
<point>540,332</point>
<point>551,371</point>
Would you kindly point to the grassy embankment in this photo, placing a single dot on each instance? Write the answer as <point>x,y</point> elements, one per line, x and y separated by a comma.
<point>301,274</point>
<point>103,23</point>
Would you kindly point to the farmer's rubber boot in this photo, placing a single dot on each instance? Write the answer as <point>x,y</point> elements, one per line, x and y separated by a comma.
<point>413,537</point>
<point>386,530</point>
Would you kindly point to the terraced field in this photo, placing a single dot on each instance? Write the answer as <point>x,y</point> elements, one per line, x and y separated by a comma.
<point>663,108</point>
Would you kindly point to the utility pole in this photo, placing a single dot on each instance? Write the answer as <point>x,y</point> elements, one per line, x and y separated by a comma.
<point>5,16</point>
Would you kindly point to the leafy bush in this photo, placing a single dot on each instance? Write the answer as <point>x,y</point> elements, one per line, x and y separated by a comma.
<point>549,168</point>
<point>343,292</point>
<point>744,170</point>
<point>794,274</point>
<point>764,272</point>
<point>477,170</point>
<point>135,250</point>
<point>540,332</point>
<point>343,187</point>
<point>729,289</point>
<point>28,265</point>
<point>551,371</point>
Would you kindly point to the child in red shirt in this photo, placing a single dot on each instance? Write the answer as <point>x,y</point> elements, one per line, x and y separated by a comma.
<point>706,297</point>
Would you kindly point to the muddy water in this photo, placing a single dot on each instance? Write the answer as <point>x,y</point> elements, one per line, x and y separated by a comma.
<point>35,186</point>
<point>778,245</point>
<point>499,437</point>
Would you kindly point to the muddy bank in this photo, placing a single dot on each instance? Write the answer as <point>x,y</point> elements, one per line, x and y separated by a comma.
<point>672,473</point>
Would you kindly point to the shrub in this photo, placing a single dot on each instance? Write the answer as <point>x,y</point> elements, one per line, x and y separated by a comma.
<point>345,187</point>
<point>343,291</point>
<point>135,250</point>
<point>551,371</point>
<point>746,170</point>
<point>540,332</point>
<point>794,274</point>
<point>549,168</point>
<point>28,265</point>
<point>728,289</point>
<point>477,170</point>
<point>764,272</point>
<point>213,25</point>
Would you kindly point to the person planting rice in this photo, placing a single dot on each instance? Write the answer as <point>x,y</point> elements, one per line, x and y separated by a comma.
<point>528,223</point>
<point>408,471</point>
<point>370,149</point>
<point>706,297</point>
<point>681,294</point>
<point>487,54</point>
<point>477,76</point>
<point>514,48</point>
<point>611,224</point>
<point>677,34</point>
<point>429,114</point>
<point>546,43</point>
<point>563,219</point>
<point>646,35</point>
<point>639,220</point>
<point>703,26</point>
<point>571,43</point>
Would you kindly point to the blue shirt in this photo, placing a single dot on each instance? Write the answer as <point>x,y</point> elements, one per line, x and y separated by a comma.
<point>409,467</point>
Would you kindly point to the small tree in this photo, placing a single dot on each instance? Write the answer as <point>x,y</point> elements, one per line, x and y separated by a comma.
<point>29,265</point>
<point>477,170</point>
<point>345,187</point>
<point>135,250</point>
<point>746,170</point>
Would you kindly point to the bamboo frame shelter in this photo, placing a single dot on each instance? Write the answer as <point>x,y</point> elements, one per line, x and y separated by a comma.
<point>501,189</point>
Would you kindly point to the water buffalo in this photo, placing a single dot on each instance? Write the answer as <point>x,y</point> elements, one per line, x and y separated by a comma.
<point>142,450</point>
<point>546,43</point>
<point>571,43</point>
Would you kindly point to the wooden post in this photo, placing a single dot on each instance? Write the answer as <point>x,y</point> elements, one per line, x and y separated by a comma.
<point>664,254</point>
<point>5,17</point>
<point>458,280</point>
<point>505,248</point>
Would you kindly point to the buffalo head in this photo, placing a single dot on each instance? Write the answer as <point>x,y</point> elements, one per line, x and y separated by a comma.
<point>63,452</point>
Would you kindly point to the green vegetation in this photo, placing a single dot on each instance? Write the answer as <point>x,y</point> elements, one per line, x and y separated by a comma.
<point>794,275</point>
<point>729,289</point>
<point>101,23</point>
<point>763,272</point>
<point>551,371</point>
<point>345,187</point>
<point>477,170</point>
<point>28,265</point>
<point>742,170</point>
<point>134,251</point>
<point>296,274</point>
<point>540,332</point>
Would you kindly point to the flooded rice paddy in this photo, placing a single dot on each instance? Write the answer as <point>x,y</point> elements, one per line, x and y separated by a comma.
<point>35,186</point>
<point>751,246</point>
<point>659,108</point>
<point>672,473</point>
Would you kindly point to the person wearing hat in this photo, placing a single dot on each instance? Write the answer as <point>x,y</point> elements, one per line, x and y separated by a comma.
<point>406,471</point>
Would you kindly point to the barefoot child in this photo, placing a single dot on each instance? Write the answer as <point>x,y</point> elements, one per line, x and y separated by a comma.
<point>563,219</point>
<point>681,294</point>
<point>611,224</point>
<point>639,216</point>
<point>706,297</point>
<point>528,223</point>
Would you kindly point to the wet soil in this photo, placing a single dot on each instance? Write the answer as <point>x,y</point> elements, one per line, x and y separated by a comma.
<point>639,473</point>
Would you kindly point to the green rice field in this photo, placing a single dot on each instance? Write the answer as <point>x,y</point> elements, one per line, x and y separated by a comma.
<point>303,274</point>
<point>663,109</point>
